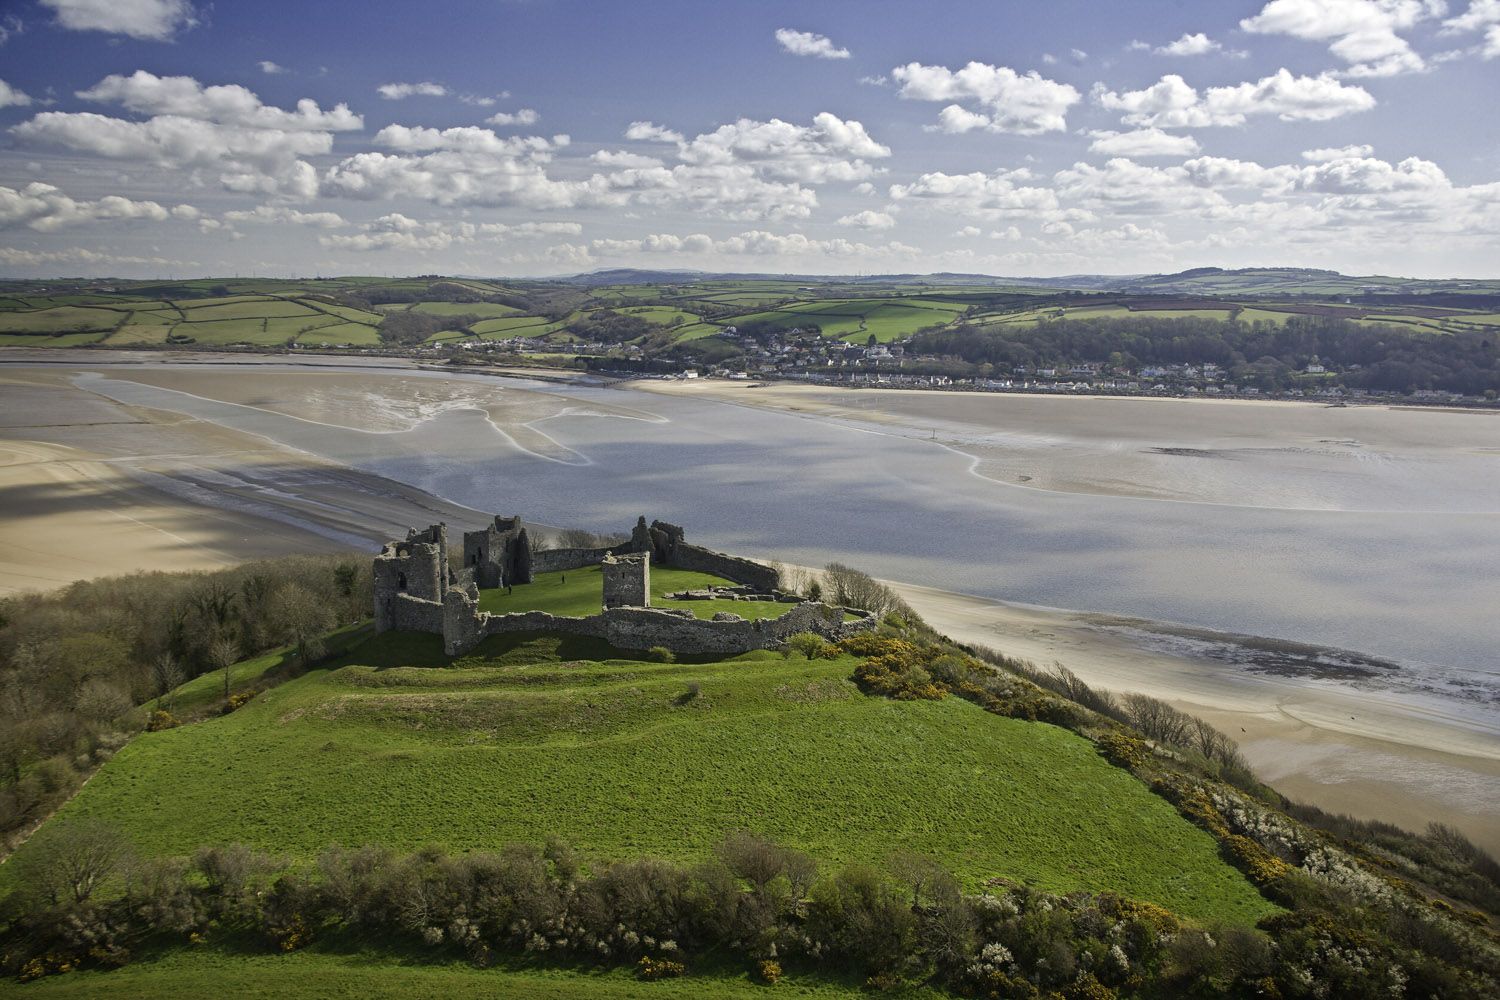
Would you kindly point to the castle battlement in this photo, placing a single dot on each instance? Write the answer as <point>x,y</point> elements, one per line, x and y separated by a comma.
<point>417,591</point>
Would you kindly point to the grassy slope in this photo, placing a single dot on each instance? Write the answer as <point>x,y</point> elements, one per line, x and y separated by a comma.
<point>513,746</point>
<point>313,975</point>
<point>579,593</point>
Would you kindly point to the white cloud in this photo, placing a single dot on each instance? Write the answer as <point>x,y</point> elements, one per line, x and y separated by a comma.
<point>149,94</point>
<point>830,149</point>
<point>754,243</point>
<point>10,97</point>
<point>967,232</point>
<point>46,209</point>
<point>247,160</point>
<point>1026,104</point>
<point>78,255</point>
<point>525,116</point>
<point>152,20</point>
<point>651,132</point>
<point>271,68</point>
<point>1363,33</point>
<point>868,219</point>
<point>805,43</point>
<point>282,215</point>
<point>400,91</point>
<point>1197,44</point>
<point>1172,103</point>
<point>10,26</point>
<point>1483,16</point>
<point>1327,153</point>
<point>1143,142</point>
<point>225,131</point>
<point>400,232</point>
<point>1003,194</point>
<point>1010,233</point>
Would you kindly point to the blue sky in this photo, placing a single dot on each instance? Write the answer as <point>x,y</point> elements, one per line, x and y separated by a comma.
<point>530,137</point>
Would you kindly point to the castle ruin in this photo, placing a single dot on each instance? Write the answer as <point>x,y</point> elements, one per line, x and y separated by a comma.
<point>417,590</point>
<point>627,580</point>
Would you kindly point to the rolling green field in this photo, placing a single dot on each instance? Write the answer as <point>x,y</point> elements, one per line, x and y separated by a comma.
<point>578,593</point>
<point>532,736</point>
<point>316,974</point>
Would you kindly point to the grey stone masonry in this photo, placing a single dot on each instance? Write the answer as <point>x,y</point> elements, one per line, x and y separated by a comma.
<point>416,590</point>
<point>627,580</point>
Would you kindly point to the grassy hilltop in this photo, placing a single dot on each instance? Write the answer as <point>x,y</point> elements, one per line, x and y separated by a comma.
<point>550,816</point>
<point>521,741</point>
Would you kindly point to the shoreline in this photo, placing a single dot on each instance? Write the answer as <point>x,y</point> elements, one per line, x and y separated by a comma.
<point>1395,759</point>
<point>1336,746</point>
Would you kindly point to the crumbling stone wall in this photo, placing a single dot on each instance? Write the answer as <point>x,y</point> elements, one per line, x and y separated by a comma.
<point>562,560</point>
<point>417,591</point>
<point>627,580</point>
<point>668,546</point>
<point>499,554</point>
<point>416,568</point>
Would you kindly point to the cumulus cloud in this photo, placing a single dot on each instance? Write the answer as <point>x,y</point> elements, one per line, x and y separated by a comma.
<point>10,97</point>
<point>1003,194</point>
<point>525,116</point>
<point>225,131</point>
<point>1190,44</point>
<point>400,232</point>
<point>830,149</point>
<point>401,91</point>
<point>10,26</point>
<point>1025,104</point>
<point>755,243</point>
<point>283,215</point>
<point>1328,153</point>
<point>651,132</point>
<point>1482,16</point>
<point>150,20</point>
<point>806,43</point>
<point>1172,103</point>
<point>1363,33</point>
<point>1143,142</point>
<point>148,94</point>
<point>868,219</point>
<point>271,68</point>
<point>46,209</point>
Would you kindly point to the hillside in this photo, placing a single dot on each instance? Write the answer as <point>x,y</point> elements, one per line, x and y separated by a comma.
<point>550,737</point>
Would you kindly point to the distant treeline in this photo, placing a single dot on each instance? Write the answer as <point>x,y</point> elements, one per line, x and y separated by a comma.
<point>1263,354</point>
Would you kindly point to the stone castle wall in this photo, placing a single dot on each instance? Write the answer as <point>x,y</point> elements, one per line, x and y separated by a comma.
<point>643,628</point>
<point>417,591</point>
<point>746,571</point>
<point>562,560</point>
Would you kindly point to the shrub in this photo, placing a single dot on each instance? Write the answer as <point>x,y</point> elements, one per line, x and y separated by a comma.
<point>810,645</point>
<point>238,701</point>
<point>769,971</point>
<point>652,969</point>
<point>1123,750</point>
<point>661,654</point>
<point>161,719</point>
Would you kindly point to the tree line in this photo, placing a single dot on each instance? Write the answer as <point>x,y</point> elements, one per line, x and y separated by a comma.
<point>1386,358</point>
<point>76,662</point>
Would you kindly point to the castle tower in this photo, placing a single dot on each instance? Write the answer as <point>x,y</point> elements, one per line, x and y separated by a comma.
<point>499,554</point>
<point>627,580</point>
<point>417,567</point>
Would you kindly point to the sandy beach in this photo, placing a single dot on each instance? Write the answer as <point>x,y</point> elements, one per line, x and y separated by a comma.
<point>1237,452</point>
<point>93,486</point>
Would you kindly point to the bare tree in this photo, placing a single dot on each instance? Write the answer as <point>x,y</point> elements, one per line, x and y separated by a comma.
<point>69,864</point>
<point>166,674</point>
<point>224,653</point>
<point>300,619</point>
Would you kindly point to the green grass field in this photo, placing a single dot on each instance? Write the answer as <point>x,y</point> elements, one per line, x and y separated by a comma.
<point>490,310</point>
<point>317,974</point>
<point>532,736</point>
<point>59,319</point>
<point>578,593</point>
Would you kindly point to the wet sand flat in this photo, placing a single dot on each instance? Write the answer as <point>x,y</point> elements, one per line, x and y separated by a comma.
<point>1240,452</point>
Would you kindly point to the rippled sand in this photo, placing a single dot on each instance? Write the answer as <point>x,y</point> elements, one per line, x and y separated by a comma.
<point>1270,454</point>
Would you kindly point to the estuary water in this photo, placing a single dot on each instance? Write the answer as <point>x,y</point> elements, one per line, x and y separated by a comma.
<point>1418,587</point>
